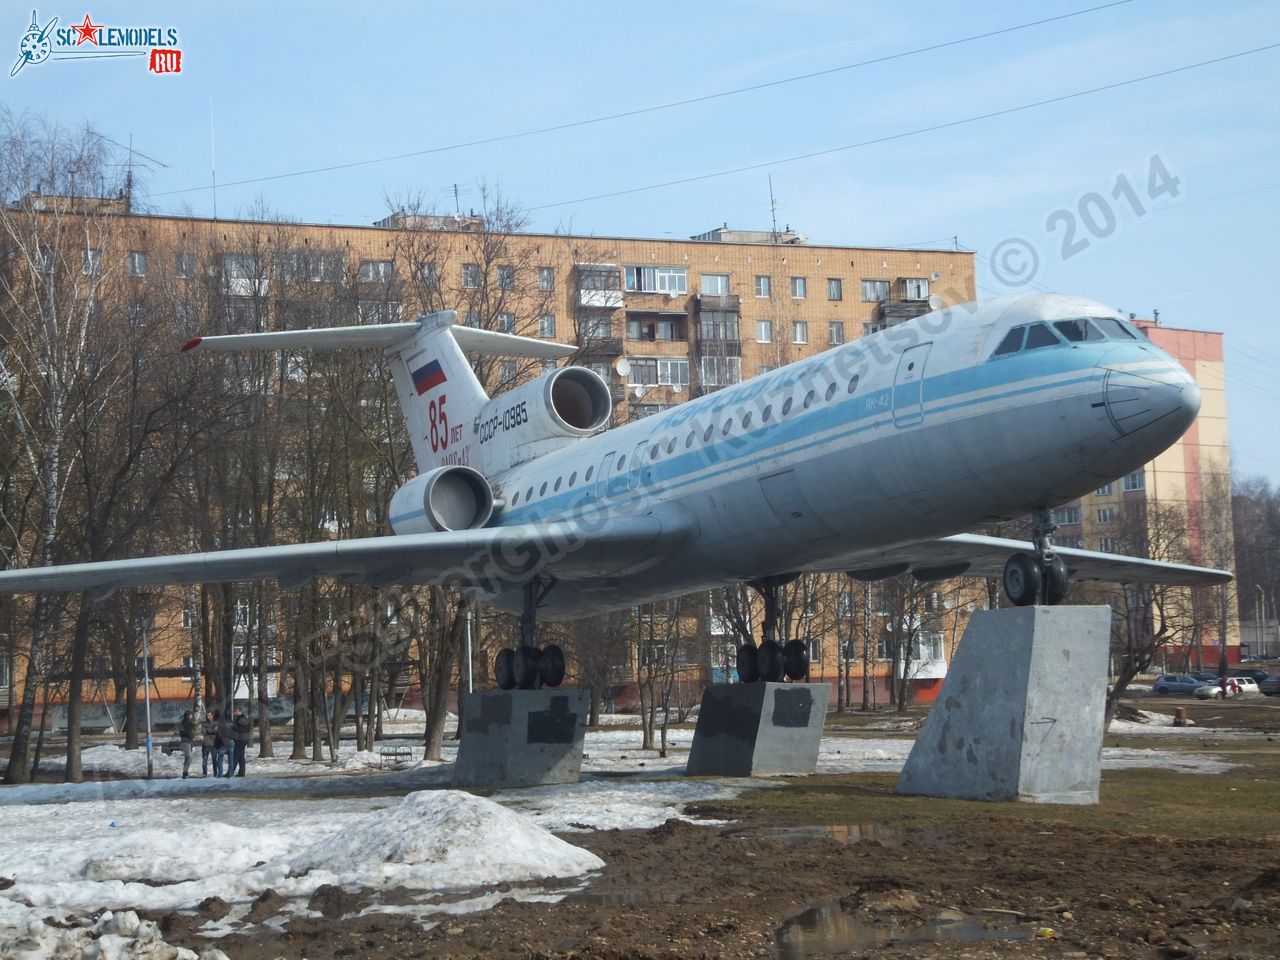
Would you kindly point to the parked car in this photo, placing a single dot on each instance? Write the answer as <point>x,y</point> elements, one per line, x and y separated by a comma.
<point>1205,676</point>
<point>1270,686</point>
<point>1257,676</point>
<point>1235,687</point>
<point>1179,683</point>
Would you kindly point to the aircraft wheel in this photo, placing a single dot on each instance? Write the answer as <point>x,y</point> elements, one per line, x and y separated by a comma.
<point>748,668</point>
<point>504,669</point>
<point>526,663</point>
<point>795,660</point>
<point>769,659</point>
<point>1057,582</point>
<point>551,665</point>
<point>1021,579</point>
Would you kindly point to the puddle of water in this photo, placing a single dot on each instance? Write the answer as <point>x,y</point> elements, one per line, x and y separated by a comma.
<point>833,929</point>
<point>623,898</point>
<point>847,833</point>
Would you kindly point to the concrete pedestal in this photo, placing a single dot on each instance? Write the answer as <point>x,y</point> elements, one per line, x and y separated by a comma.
<point>521,738</point>
<point>758,729</point>
<point>1020,714</point>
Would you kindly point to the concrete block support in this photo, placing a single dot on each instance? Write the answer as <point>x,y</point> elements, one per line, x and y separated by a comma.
<point>521,738</point>
<point>1020,714</point>
<point>758,729</point>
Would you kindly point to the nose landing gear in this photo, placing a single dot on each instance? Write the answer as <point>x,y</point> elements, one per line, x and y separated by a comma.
<point>527,667</point>
<point>1042,577</point>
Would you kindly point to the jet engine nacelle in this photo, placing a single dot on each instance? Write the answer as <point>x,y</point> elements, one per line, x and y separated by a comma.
<point>557,408</point>
<point>447,498</point>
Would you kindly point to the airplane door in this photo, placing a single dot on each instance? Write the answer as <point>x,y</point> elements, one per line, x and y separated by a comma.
<point>637,463</point>
<point>602,478</point>
<point>908,386</point>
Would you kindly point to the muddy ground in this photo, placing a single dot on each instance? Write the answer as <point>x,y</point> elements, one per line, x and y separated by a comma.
<point>1167,865</point>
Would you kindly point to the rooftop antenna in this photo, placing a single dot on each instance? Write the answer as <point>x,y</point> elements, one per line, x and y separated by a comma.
<point>128,180</point>
<point>773,210</point>
<point>457,208</point>
<point>213,159</point>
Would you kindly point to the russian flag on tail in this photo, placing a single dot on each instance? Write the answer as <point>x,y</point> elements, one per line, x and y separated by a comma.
<point>428,377</point>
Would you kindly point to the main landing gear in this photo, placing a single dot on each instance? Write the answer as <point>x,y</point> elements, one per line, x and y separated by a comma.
<point>772,661</point>
<point>1041,577</point>
<point>527,667</point>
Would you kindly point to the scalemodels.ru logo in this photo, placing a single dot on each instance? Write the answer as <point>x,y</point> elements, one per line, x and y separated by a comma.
<point>88,40</point>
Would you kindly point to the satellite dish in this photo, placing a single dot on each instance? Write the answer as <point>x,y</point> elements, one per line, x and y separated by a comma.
<point>677,388</point>
<point>640,392</point>
<point>935,302</point>
<point>623,366</point>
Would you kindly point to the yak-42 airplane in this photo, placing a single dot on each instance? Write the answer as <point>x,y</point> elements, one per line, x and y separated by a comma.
<point>870,458</point>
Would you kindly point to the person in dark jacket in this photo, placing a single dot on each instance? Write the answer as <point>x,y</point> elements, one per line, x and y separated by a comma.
<point>226,744</point>
<point>209,744</point>
<point>241,732</point>
<point>186,734</point>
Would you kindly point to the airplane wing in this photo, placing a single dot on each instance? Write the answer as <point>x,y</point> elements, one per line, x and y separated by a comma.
<point>486,559</point>
<point>973,555</point>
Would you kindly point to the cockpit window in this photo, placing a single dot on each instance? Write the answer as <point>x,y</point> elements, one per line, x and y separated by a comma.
<point>1114,328</point>
<point>1039,335</point>
<point>1077,331</point>
<point>1011,343</point>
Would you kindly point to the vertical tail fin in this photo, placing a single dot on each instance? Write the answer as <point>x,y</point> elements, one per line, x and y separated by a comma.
<point>439,392</point>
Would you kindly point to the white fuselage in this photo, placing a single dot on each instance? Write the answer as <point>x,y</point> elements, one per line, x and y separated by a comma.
<point>909,434</point>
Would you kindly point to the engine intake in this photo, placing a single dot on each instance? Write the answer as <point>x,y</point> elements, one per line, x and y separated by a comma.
<point>447,498</point>
<point>546,414</point>
<point>579,399</point>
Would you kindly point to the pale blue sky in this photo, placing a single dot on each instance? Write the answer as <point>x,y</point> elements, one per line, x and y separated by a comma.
<point>296,86</point>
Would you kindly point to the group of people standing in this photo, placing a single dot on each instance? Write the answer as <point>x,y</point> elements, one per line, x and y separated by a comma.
<point>224,738</point>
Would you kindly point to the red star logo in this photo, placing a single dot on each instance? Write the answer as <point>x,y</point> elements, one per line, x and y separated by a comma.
<point>88,31</point>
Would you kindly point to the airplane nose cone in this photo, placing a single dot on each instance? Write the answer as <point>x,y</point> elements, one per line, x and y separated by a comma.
<point>1162,406</point>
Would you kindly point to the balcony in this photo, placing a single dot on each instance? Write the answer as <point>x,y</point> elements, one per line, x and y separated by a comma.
<point>719,348</point>
<point>728,302</point>
<point>893,312</point>
<point>602,347</point>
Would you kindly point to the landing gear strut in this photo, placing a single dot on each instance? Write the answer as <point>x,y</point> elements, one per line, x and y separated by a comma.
<point>771,661</point>
<point>527,667</point>
<point>1042,577</point>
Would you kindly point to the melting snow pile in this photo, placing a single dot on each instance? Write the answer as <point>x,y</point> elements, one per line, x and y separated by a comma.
<point>76,864</point>
<point>438,839</point>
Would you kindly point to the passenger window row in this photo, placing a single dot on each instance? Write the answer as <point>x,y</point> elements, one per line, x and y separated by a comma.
<point>766,415</point>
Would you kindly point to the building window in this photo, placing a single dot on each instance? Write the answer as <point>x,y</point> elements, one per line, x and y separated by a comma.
<point>650,328</point>
<point>376,271</point>
<point>598,278</point>
<point>379,311</point>
<point>1064,515</point>
<point>137,263</point>
<point>188,617</point>
<point>430,275</point>
<point>507,372</point>
<point>506,278</point>
<point>715,284</point>
<point>764,331</point>
<point>546,279</point>
<point>835,288</point>
<point>765,368</point>
<point>800,331</point>
<point>799,288</point>
<point>718,325</point>
<point>91,262</point>
<point>471,318</point>
<point>669,280</point>
<point>764,286</point>
<point>507,322</point>
<point>471,276</point>
<point>870,328</point>
<point>658,371</point>
<point>719,371</point>
<point>547,325</point>
<point>915,289</point>
<point>1107,544</point>
<point>601,370</point>
<point>596,327</point>
<point>1106,514</point>
<point>44,260</point>
<point>1104,490</point>
<point>184,264</point>
<point>835,332</point>
<point>875,291</point>
<point>1135,481</point>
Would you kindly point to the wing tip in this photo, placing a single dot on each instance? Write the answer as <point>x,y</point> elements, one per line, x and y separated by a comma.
<point>191,344</point>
